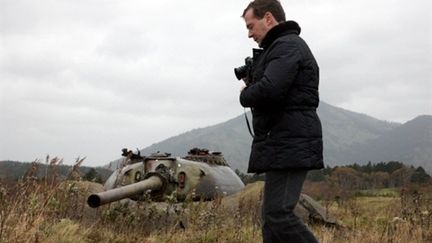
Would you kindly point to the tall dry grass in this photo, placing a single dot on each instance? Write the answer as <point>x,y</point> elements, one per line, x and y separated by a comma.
<point>52,210</point>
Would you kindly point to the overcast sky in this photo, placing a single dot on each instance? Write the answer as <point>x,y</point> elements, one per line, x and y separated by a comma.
<point>87,78</point>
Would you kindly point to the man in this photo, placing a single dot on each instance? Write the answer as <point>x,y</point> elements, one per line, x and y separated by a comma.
<point>283,96</point>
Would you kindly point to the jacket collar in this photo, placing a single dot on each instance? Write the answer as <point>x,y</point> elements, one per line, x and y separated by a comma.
<point>289,27</point>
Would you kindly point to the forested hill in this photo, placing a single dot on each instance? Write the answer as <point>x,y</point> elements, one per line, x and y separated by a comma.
<point>349,137</point>
<point>410,142</point>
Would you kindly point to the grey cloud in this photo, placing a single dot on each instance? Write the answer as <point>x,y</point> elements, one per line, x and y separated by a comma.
<point>88,78</point>
<point>127,44</point>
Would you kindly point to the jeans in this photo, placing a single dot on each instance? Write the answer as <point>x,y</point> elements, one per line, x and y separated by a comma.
<point>281,193</point>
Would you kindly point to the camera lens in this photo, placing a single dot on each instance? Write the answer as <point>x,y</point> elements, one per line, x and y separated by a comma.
<point>240,72</point>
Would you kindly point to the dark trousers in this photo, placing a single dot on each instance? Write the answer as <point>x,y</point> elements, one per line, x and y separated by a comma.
<point>281,194</point>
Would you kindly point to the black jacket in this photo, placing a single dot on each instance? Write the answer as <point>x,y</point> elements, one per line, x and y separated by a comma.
<point>284,98</point>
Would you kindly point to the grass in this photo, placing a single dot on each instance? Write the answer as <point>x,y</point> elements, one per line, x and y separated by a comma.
<point>54,211</point>
<point>382,192</point>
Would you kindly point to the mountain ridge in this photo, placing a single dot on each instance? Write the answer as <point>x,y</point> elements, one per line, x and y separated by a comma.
<point>346,135</point>
<point>398,144</point>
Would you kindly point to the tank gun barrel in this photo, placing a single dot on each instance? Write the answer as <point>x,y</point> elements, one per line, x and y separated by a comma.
<point>153,183</point>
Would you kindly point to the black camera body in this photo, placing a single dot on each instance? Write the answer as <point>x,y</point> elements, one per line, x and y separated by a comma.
<point>245,72</point>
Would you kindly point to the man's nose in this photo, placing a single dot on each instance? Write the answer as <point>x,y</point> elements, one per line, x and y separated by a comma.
<point>250,34</point>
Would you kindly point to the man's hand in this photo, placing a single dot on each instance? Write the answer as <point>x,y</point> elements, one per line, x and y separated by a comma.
<point>246,81</point>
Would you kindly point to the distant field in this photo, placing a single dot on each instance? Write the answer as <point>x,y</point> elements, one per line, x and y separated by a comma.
<point>384,192</point>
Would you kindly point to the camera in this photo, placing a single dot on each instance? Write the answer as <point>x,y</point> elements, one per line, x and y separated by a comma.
<point>243,71</point>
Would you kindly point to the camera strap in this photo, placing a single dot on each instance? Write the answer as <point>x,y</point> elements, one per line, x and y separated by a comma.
<point>248,124</point>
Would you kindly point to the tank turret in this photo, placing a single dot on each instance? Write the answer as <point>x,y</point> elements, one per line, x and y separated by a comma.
<point>201,175</point>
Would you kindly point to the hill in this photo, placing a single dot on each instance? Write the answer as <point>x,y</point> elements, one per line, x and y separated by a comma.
<point>410,142</point>
<point>343,130</point>
<point>349,137</point>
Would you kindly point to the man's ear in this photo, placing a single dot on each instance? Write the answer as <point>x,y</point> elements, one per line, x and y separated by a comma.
<point>269,19</point>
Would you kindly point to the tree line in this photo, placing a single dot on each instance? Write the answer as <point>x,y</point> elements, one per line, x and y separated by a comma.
<point>362,177</point>
<point>14,171</point>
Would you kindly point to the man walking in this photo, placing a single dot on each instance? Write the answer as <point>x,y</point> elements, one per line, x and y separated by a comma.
<point>282,92</point>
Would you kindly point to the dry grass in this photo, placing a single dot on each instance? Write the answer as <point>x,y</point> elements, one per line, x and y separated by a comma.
<point>47,211</point>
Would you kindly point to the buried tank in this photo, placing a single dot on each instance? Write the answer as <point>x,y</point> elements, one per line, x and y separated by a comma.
<point>201,175</point>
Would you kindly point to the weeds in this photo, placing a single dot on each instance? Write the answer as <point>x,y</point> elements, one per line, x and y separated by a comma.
<point>55,210</point>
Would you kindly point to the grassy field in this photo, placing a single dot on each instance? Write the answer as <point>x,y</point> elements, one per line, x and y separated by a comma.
<point>32,211</point>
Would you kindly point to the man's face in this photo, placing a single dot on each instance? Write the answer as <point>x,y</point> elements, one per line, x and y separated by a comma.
<point>257,28</point>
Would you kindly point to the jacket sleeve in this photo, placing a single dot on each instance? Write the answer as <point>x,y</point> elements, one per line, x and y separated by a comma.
<point>281,69</point>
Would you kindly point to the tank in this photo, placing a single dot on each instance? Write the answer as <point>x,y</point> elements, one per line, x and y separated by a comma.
<point>201,175</point>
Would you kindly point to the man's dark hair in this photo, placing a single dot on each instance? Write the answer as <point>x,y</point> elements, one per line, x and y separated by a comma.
<point>260,7</point>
